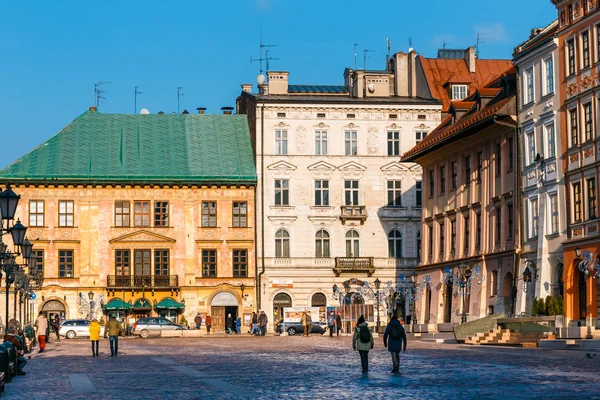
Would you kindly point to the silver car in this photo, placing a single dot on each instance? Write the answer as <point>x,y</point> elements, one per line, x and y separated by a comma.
<point>153,326</point>
<point>72,328</point>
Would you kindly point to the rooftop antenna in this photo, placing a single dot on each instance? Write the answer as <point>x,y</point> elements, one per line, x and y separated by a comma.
<point>444,43</point>
<point>261,59</point>
<point>136,91</point>
<point>410,48</point>
<point>267,59</point>
<point>180,94</point>
<point>365,57</point>
<point>355,46</point>
<point>98,93</point>
<point>387,58</point>
<point>479,42</point>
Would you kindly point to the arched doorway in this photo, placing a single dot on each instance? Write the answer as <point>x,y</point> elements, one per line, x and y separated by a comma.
<point>448,303</point>
<point>222,304</point>
<point>280,301</point>
<point>52,308</point>
<point>426,317</point>
<point>560,281</point>
<point>318,300</point>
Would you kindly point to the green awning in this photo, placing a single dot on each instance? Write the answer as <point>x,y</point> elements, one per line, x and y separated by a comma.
<point>169,304</point>
<point>142,304</point>
<point>117,304</point>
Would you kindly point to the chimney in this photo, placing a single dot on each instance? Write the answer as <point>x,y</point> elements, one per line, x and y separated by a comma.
<point>185,112</point>
<point>93,109</point>
<point>470,59</point>
<point>227,110</point>
<point>201,110</point>
<point>400,65</point>
<point>278,82</point>
<point>247,87</point>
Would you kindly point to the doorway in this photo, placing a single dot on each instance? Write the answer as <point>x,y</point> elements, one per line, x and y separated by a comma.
<point>280,301</point>
<point>582,297</point>
<point>222,304</point>
<point>448,303</point>
<point>233,310</point>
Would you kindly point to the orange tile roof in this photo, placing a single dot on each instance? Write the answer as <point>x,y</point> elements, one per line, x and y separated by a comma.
<point>488,92</point>
<point>440,71</point>
<point>462,105</point>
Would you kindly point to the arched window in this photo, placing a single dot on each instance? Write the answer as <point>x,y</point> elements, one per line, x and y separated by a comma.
<point>352,243</point>
<point>322,244</point>
<point>319,300</point>
<point>282,243</point>
<point>395,243</point>
<point>418,252</point>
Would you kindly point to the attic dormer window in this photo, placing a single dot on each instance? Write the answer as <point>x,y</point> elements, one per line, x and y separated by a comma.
<point>459,92</point>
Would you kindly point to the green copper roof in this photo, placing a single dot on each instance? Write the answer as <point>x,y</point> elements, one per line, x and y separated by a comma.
<point>165,148</point>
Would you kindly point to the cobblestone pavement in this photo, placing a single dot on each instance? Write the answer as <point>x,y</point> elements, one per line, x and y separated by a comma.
<point>245,367</point>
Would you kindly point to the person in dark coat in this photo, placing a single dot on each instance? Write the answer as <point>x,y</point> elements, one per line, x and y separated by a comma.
<point>394,339</point>
<point>229,323</point>
<point>338,323</point>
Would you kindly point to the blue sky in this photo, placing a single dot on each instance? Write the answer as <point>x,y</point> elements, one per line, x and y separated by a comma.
<point>52,53</point>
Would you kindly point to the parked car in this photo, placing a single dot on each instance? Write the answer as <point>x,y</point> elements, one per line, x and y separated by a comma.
<point>72,328</point>
<point>296,328</point>
<point>153,326</point>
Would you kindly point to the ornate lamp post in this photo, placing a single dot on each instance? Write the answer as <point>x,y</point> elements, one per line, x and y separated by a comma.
<point>89,306</point>
<point>589,265</point>
<point>463,277</point>
<point>377,286</point>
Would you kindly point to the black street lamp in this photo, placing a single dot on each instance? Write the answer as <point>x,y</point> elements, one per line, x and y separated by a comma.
<point>8,204</point>
<point>463,278</point>
<point>377,286</point>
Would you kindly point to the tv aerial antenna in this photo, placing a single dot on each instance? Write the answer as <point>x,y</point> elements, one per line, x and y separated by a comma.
<point>479,42</point>
<point>365,55</point>
<point>355,46</point>
<point>136,91</point>
<point>180,94</point>
<point>266,58</point>
<point>99,93</point>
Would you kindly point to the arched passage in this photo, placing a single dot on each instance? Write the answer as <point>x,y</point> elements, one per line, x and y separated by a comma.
<point>280,301</point>
<point>318,300</point>
<point>222,304</point>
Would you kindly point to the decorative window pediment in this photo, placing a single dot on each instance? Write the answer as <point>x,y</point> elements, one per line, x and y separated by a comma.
<point>352,166</point>
<point>281,166</point>
<point>321,166</point>
<point>142,236</point>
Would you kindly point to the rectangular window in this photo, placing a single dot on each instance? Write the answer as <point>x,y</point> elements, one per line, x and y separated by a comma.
<point>431,183</point>
<point>240,214</point>
<point>351,193</point>
<point>161,262</point>
<point>141,262</point>
<point>479,166</point>
<point>240,263</point>
<point>209,214</point>
<point>498,158</point>
<point>534,217</point>
<point>570,12</point>
<point>351,143</point>
<point>320,143</point>
<point>65,212</point>
<point>65,263</point>
<point>393,142</point>
<point>36,212</point>
<point>282,192</point>
<point>549,68</point>
<point>38,256</point>
<point>418,193</point>
<point>597,43</point>
<point>573,123</point>
<point>281,142</point>
<point>585,48</point>
<point>321,193</point>
<point>122,213</point>
<point>577,202</point>
<point>571,57</point>
<point>122,262</point>
<point>442,239</point>
<point>554,213</point>
<point>587,121</point>
<point>141,213</point>
<point>511,154</point>
<point>430,241</point>
<point>511,222</point>
<point>468,170</point>
<point>209,263</point>
<point>591,197</point>
<point>452,237</point>
<point>478,228</point>
<point>531,154</point>
<point>498,224</point>
<point>459,92</point>
<point>161,213</point>
<point>454,172</point>
<point>529,87</point>
<point>466,230</point>
<point>394,192</point>
<point>442,180</point>
<point>550,140</point>
<point>420,135</point>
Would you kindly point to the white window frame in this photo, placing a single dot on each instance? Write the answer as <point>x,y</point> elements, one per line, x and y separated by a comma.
<point>321,142</point>
<point>550,144</point>
<point>281,142</point>
<point>321,188</point>
<point>534,217</point>
<point>549,81</point>
<point>530,146</point>
<point>351,143</point>
<point>420,135</point>
<point>529,87</point>
<point>553,214</point>
<point>458,91</point>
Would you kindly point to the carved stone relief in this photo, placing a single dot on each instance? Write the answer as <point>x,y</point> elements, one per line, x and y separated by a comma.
<point>372,139</point>
<point>301,141</point>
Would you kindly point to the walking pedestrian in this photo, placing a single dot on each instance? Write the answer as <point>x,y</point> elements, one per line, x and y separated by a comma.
<point>254,326</point>
<point>263,320</point>
<point>113,329</point>
<point>198,321</point>
<point>41,325</point>
<point>94,336</point>
<point>394,338</point>
<point>331,323</point>
<point>208,323</point>
<point>228,324</point>
<point>308,324</point>
<point>56,326</point>
<point>304,325</point>
<point>338,323</point>
<point>238,325</point>
<point>363,342</point>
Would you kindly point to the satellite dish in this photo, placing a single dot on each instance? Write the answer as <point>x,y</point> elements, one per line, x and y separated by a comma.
<point>144,111</point>
<point>261,79</point>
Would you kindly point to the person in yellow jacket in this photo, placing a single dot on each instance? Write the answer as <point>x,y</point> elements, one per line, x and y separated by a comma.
<point>94,336</point>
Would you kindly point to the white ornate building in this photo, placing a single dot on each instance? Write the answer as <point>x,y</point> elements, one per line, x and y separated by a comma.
<point>335,206</point>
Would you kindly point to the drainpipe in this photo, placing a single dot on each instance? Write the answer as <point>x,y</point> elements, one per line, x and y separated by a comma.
<point>519,199</point>
<point>262,206</point>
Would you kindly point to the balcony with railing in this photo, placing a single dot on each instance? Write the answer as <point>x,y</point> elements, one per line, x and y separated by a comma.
<point>353,213</point>
<point>354,264</point>
<point>142,281</point>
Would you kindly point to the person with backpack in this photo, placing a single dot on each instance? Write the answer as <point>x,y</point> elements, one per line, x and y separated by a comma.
<point>363,342</point>
<point>394,339</point>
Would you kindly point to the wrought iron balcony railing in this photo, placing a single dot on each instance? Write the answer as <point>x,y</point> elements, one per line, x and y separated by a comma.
<point>142,281</point>
<point>354,264</point>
